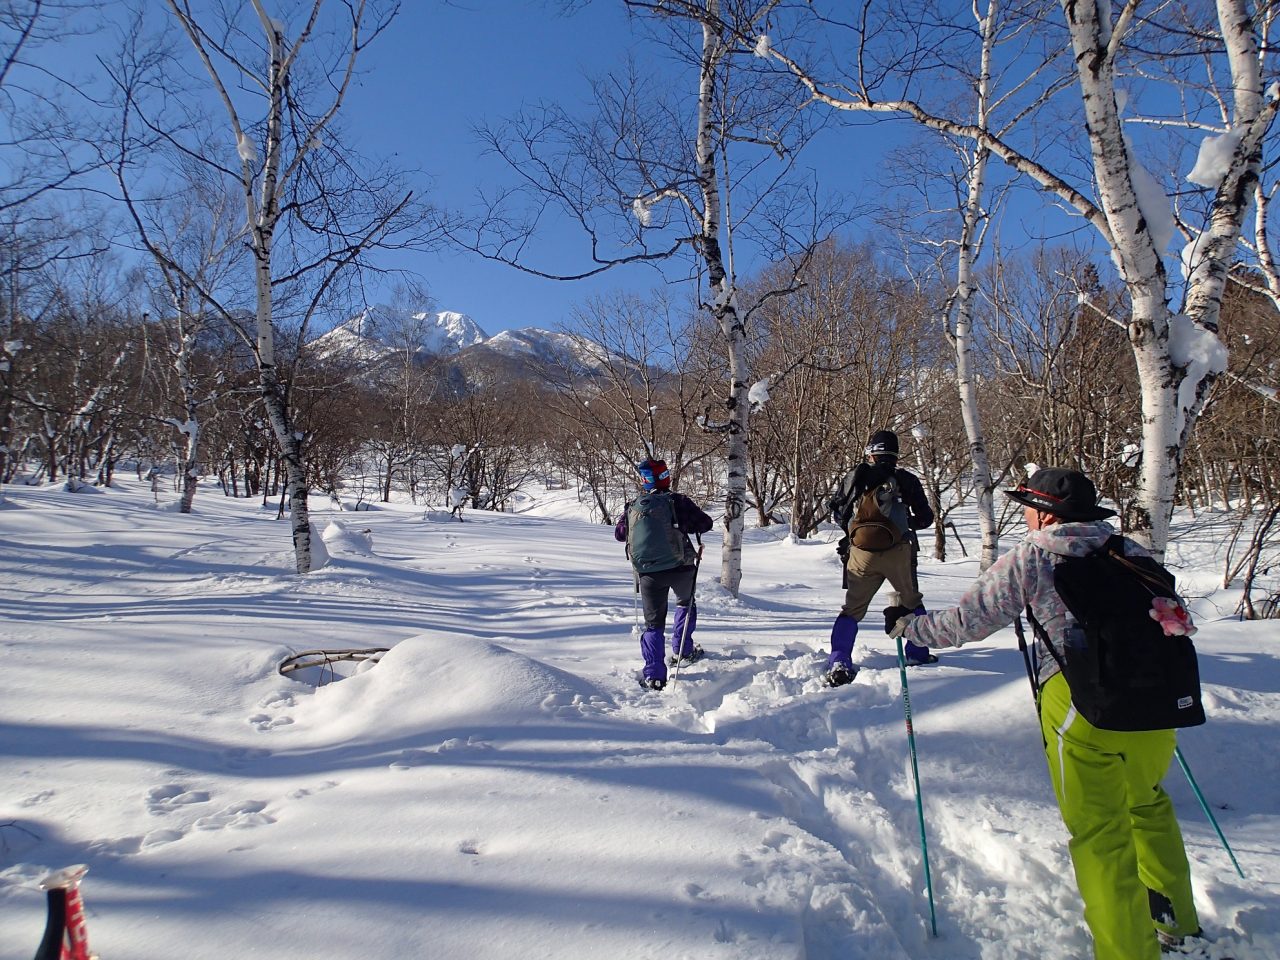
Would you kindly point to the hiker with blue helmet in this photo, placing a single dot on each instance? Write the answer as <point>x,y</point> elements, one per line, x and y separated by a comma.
<point>656,526</point>
<point>879,506</point>
<point>1125,843</point>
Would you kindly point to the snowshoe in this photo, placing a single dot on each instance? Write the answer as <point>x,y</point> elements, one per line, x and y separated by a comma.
<point>653,683</point>
<point>839,675</point>
<point>1195,945</point>
<point>693,656</point>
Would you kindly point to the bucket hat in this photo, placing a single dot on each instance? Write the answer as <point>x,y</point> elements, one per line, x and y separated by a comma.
<point>1067,494</point>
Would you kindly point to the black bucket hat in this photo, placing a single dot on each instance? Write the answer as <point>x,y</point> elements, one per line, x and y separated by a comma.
<point>1067,494</point>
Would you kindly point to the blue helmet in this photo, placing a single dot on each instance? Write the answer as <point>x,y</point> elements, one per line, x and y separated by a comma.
<point>654,474</point>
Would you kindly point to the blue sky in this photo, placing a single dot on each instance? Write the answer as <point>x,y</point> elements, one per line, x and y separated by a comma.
<point>443,69</point>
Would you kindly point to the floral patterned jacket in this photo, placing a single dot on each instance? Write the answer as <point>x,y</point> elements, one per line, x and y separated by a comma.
<point>1022,576</point>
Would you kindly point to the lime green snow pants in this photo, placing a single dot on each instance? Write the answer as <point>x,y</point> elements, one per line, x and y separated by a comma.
<point>1126,846</point>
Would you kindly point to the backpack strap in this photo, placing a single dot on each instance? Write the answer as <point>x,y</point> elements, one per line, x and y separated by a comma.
<point>1042,635</point>
<point>1114,548</point>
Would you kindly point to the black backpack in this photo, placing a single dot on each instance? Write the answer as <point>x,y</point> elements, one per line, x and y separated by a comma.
<point>1123,671</point>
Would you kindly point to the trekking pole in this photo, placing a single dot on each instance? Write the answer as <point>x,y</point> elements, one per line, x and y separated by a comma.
<point>65,933</point>
<point>1026,658</point>
<point>635,606</point>
<point>915,773</point>
<point>1182,762</point>
<point>1031,674</point>
<point>684,634</point>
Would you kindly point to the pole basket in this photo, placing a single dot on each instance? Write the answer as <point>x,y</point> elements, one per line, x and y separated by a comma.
<point>318,666</point>
<point>66,933</point>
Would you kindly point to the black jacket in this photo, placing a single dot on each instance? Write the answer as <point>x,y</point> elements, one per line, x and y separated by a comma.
<point>867,476</point>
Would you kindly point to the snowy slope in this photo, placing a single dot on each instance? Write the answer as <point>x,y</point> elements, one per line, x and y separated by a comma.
<point>499,785</point>
<point>546,345</point>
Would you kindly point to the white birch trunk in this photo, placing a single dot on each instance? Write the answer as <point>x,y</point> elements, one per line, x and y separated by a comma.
<point>185,344</point>
<point>1133,250</point>
<point>962,335</point>
<point>264,217</point>
<point>724,308</point>
<point>1169,406</point>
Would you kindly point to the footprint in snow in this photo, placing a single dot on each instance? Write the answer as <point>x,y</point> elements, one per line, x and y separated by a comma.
<point>238,816</point>
<point>158,838</point>
<point>263,722</point>
<point>308,791</point>
<point>171,796</point>
<point>409,759</point>
<point>572,704</point>
<point>280,698</point>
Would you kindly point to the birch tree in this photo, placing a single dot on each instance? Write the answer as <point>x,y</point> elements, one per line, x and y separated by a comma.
<point>975,156</point>
<point>194,242</point>
<point>651,180</point>
<point>310,215</point>
<point>1176,349</point>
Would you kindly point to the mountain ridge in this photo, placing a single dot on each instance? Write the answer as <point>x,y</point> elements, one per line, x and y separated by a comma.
<point>379,333</point>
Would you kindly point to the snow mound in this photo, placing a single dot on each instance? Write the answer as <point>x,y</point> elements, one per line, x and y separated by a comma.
<point>342,539</point>
<point>433,682</point>
<point>74,485</point>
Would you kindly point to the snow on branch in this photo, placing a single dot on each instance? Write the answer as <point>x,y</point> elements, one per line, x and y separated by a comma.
<point>1152,201</point>
<point>642,207</point>
<point>1198,351</point>
<point>245,147</point>
<point>1214,160</point>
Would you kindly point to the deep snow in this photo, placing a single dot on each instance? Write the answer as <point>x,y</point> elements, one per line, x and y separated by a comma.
<point>499,785</point>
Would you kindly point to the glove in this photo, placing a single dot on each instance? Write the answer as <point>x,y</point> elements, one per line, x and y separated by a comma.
<point>900,627</point>
<point>891,616</point>
<point>1172,616</point>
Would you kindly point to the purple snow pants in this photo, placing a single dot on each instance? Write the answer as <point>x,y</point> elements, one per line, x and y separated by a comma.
<point>654,588</point>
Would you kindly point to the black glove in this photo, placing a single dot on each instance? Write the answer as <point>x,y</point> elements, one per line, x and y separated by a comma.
<point>892,615</point>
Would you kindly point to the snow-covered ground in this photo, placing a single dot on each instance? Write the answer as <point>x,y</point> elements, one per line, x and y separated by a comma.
<point>499,785</point>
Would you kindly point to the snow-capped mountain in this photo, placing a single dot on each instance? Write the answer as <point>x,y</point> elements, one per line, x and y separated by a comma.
<point>542,354</point>
<point>549,347</point>
<point>457,331</point>
<point>379,331</point>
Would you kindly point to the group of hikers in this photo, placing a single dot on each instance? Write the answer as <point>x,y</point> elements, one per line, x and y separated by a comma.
<point>1125,843</point>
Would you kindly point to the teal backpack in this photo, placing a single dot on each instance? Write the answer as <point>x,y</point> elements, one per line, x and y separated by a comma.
<point>654,541</point>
